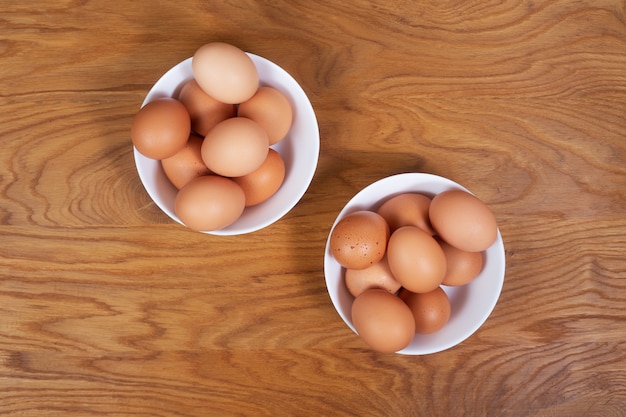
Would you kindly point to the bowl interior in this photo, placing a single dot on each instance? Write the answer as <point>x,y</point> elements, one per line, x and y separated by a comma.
<point>299,150</point>
<point>471,304</point>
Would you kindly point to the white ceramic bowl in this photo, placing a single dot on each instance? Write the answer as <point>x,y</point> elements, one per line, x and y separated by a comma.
<point>470,304</point>
<point>299,150</point>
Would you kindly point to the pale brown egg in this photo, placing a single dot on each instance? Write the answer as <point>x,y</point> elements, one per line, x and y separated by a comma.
<point>461,266</point>
<point>186,164</point>
<point>263,182</point>
<point>376,276</point>
<point>463,221</point>
<point>209,203</point>
<point>161,128</point>
<point>271,109</point>
<point>359,239</point>
<point>408,209</point>
<point>204,110</point>
<point>225,72</point>
<point>383,321</point>
<point>430,310</point>
<point>235,147</point>
<point>416,259</point>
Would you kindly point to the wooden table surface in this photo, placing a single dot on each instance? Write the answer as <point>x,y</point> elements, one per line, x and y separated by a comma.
<point>109,308</point>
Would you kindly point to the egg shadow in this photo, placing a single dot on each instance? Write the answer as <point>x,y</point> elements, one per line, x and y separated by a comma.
<point>458,297</point>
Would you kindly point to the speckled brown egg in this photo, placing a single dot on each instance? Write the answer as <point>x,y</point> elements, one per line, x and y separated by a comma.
<point>431,310</point>
<point>463,220</point>
<point>383,321</point>
<point>359,239</point>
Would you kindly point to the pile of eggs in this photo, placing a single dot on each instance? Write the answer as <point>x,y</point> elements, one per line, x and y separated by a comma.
<point>214,139</point>
<point>398,257</point>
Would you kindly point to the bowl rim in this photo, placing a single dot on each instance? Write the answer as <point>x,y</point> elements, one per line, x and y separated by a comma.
<point>148,168</point>
<point>409,181</point>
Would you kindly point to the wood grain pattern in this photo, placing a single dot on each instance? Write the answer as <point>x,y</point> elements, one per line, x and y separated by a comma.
<point>107,308</point>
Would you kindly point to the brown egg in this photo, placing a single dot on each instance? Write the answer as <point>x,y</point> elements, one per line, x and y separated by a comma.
<point>463,221</point>
<point>235,147</point>
<point>161,128</point>
<point>225,72</point>
<point>209,203</point>
<point>416,259</point>
<point>263,182</point>
<point>376,276</point>
<point>409,209</point>
<point>383,321</point>
<point>204,110</point>
<point>271,109</point>
<point>186,164</point>
<point>359,239</point>
<point>430,310</point>
<point>461,266</point>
